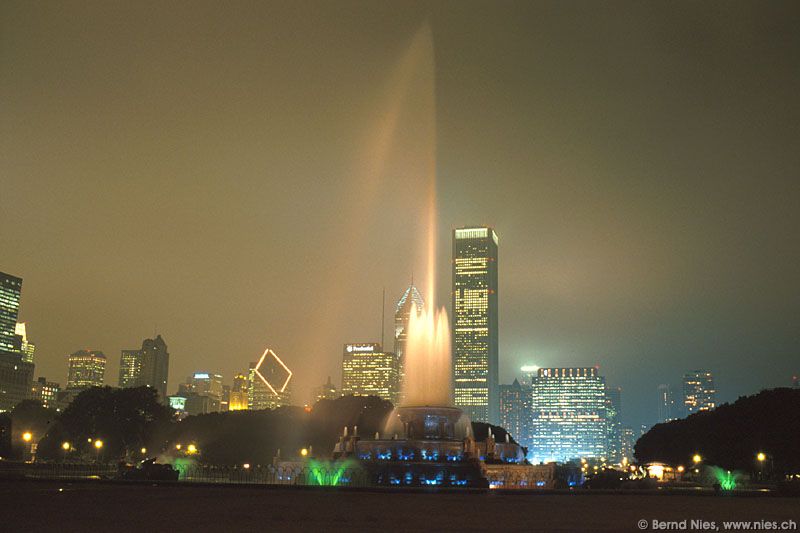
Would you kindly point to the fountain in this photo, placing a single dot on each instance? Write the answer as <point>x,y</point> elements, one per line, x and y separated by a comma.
<point>426,440</point>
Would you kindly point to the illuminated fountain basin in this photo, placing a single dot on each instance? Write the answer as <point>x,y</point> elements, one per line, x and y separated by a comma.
<point>426,441</point>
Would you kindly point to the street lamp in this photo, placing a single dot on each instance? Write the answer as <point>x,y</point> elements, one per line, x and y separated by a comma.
<point>98,444</point>
<point>65,446</point>
<point>191,449</point>
<point>27,436</point>
<point>761,457</point>
<point>697,458</point>
<point>304,452</point>
<point>143,450</point>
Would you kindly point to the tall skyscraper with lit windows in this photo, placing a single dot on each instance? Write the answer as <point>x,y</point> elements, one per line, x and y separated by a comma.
<point>10,292</point>
<point>87,368</point>
<point>130,368</point>
<point>475,323</point>
<point>16,372</point>
<point>699,393</point>
<point>569,414</point>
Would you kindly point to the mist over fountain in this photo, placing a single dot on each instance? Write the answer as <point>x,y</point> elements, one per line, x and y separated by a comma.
<point>428,359</point>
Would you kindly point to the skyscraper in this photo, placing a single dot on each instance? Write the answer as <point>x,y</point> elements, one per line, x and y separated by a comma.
<point>16,373</point>
<point>268,382</point>
<point>475,326</point>
<point>666,404</point>
<point>326,391</point>
<point>155,365</point>
<point>27,348</point>
<point>148,366</point>
<point>238,397</point>
<point>130,368</point>
<point>628,442</point>
<point>369,371</point>
<point>10,291</point>
<point>614,423</point>
<point>699,393</point>
<point>261,396</point>
<point>569,419</point>
<point>402,314</point>
<point>515,411</point>
<point>87,368</point>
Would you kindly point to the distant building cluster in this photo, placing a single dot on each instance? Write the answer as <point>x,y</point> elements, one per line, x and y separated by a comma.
<point>557,414</point>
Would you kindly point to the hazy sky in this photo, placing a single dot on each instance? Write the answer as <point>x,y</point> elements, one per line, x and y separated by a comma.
<point>249,174</point>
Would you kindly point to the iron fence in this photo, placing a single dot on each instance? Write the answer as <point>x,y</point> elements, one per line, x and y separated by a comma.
<point>193,473</point>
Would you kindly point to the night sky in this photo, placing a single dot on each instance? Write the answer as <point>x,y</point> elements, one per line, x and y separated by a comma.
<point>249,174</point>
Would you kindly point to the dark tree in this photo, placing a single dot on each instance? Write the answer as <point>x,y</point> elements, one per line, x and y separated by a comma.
<point>733,434</point>
<point>123,419</point>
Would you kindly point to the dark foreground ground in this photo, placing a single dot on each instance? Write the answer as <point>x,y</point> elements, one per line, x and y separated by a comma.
<point>96,507</point>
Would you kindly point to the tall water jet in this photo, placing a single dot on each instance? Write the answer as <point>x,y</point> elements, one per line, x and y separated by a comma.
<point>428,359</point>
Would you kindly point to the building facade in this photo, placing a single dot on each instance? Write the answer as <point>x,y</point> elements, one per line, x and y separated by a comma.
<point>10,293</point>
<point>666,404</point>
<point>569,419</point>
<point>515,411</point>
<point>130,368</point>
<point>326,391</point>
<point>237,400</point>
<point>46,392</point>
<point>411,299</point>
<point>369,371</point>
<point>614,423</point>
<point>87,368</point>
<point>262,396</point>
<point>146,367</point>
<point>628,441</point>
<point>203,385</point>
<point>155,365</point>
<point>27,348</point>
<point>16,378</point>
<point>699,393</point>
<point>475,323</point>
<point>16,373</point>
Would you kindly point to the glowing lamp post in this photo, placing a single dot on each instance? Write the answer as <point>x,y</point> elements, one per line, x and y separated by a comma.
<point>27,438</point>
<point>761,457</point>
<point>66,446</point>
<point>98,445</point>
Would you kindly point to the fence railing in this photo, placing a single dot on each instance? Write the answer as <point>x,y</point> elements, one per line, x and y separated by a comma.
<point>255,474</point>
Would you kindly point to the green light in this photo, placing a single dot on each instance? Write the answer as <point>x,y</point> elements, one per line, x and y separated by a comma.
<point>182,466</point>
<point>725,478</point>
<point>327,474</point>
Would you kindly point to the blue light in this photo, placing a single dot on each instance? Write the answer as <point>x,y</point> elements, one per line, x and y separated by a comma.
<point>540,483</point>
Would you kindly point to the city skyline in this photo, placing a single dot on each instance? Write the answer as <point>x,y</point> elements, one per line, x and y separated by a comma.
<point>204,217</point>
